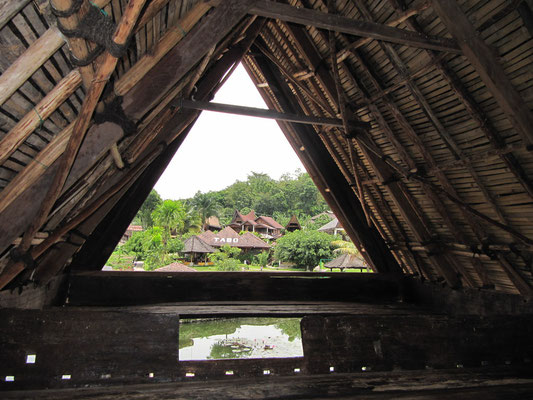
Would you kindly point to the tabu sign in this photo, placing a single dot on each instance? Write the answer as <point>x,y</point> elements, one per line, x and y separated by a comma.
<point>226,240</point>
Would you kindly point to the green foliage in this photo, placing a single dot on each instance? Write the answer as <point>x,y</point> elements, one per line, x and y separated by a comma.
<point>291,194</point>
<point>169,215</point>
<point>344,247</point>
<point>225,260</point>
<point>262,258</point>
<point>229,264</point>
<point>145,212</point>
<point>175,245</point>
<point>304,248</point>
<point>205,205</point>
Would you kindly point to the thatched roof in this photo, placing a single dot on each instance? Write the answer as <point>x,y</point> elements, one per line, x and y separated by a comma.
<point>195,244</point>
<point>416,124</point>
<point>346,261</point>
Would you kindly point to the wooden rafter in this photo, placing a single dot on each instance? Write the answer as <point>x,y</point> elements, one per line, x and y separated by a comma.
<point>180,59</point>
<point>488,67</point>
<point>82,123</point>
<point>304,16</point>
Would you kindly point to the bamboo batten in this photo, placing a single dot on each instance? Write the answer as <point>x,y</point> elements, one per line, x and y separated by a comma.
<point>441,169</point>
<point>16,136</point>
<point>32,59</point>
<point>83,121</point>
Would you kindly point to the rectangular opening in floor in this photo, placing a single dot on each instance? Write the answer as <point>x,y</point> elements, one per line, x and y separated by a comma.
<point>239,338</point>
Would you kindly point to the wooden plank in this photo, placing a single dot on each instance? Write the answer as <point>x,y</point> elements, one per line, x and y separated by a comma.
<point>304,16</point>
<point>90,346</point>
<point>178,61</point>
<point>381,343</point>
<point>487,66</point>
<point>262,113</point>
<point>488,384</point>
<point>123,288</point>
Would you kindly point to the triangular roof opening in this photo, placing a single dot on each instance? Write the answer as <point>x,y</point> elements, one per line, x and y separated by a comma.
<point>223,148</point>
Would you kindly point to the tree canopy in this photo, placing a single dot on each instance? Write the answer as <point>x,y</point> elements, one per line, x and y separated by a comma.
<point>304,248</point>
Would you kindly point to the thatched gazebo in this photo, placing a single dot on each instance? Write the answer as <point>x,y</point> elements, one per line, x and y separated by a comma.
<point>346,261</point>
<point>195,248</point>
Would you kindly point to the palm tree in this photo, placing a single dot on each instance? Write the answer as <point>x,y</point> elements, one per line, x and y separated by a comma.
<point>344,247</point>
<point>169,215</point>
<point>205,206</point>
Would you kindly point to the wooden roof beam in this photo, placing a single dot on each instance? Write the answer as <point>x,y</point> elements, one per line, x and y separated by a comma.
<point>81,125</point>
<point>483,59</point>
<point>320,165</point>
<point>409,211</point>
<point>475,111</point>
<point>262,113</point>
<point>310,17</point>
<point>414,10</point>
<point>182,57</point>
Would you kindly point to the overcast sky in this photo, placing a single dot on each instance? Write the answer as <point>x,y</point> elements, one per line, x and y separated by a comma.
<point>222,148</point>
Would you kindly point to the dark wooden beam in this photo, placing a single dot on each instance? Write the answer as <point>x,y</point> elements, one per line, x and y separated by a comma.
<point>483,59</point>
<point>340,195</point>
<point>304,16</point>
<point>142,288</point>
<point>178,61</point>
<point>262,113</point>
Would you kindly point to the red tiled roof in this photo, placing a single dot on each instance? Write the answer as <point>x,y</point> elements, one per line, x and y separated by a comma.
<point>249,217</point>
<point>270,221</point>
<point>175,267</point>
<point>135,228</point>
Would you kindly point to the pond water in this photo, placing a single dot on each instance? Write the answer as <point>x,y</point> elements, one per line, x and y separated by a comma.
<point>240,338</point>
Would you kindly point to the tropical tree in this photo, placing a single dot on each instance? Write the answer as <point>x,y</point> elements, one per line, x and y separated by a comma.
<point>262,258</point>
<point>304,248</point>
<point>145,212</point>
<point>205,206</point>
<point>344,247</point>
<point>169,215</point>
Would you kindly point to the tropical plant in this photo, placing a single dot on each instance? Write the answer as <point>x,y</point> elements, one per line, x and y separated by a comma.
<point>344,247</point>
<point>205,206</point>
<point>304,248</point>
<point>169,215</point>
<point>262,258</point>
<point>145,212</point>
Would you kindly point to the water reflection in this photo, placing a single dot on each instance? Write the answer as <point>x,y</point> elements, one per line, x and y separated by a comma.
<point>240,338</point>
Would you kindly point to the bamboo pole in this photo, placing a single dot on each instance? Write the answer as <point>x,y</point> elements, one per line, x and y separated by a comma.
<point>33,171</point>
<point>82,123</point>
<point>78,46</point>
<point>20,132</point>
<point>13,269</point>
<point>29,62</point>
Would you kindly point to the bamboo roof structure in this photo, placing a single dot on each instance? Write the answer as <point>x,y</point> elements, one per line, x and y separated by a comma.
<point>412,117</point>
